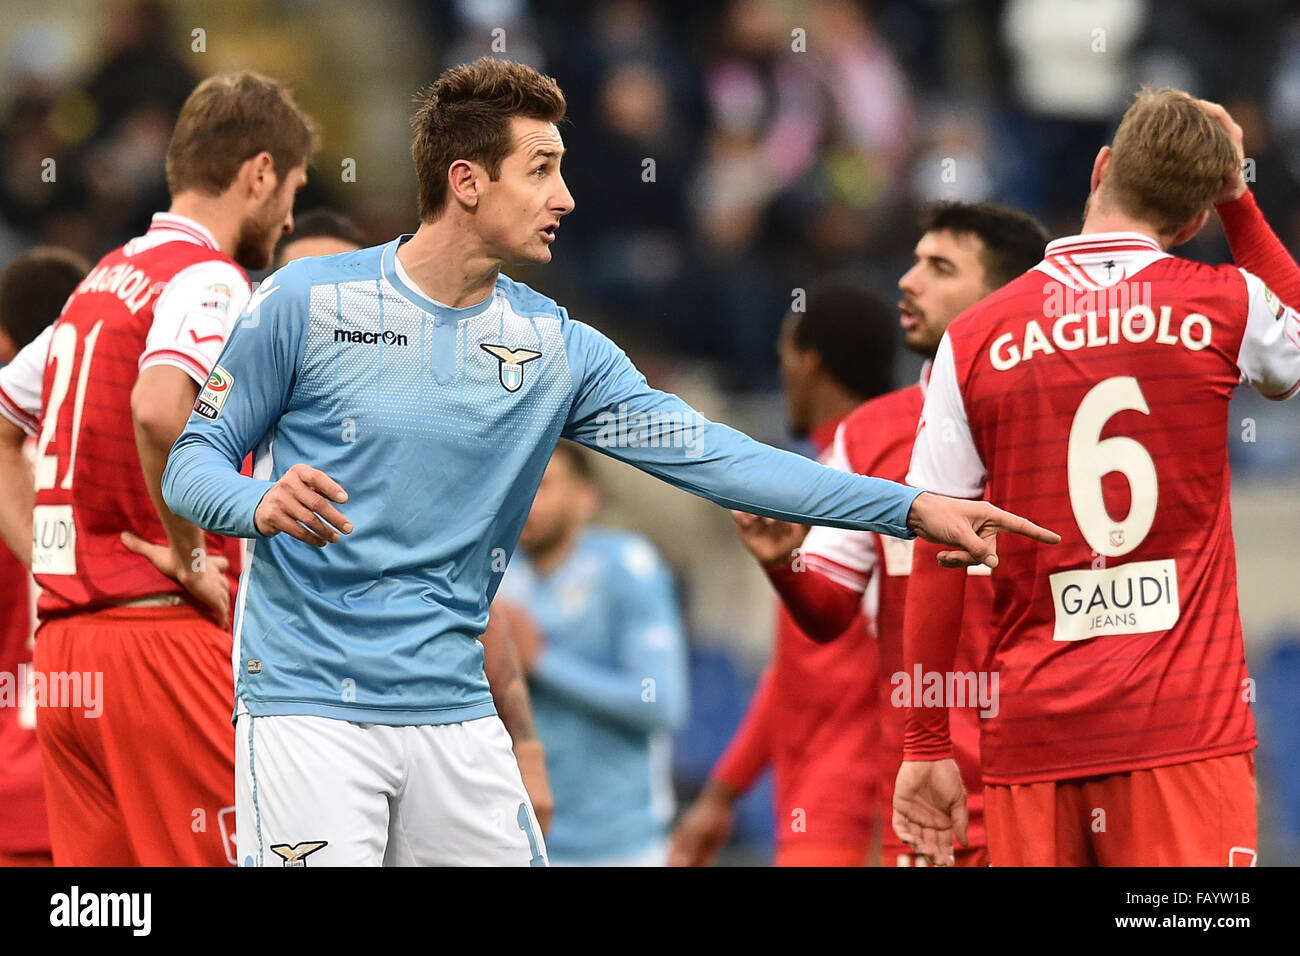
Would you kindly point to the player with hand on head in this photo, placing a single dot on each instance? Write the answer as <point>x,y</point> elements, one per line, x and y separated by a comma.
<point>427,391</point>
<point>129,589</point>
<point>33,290</point>
<point>1094,390</point>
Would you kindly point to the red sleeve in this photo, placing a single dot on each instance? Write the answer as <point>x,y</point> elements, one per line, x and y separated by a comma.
<point>750,748</point>
<point>1257,249</point>
<point>822,608</point>
<point>931,629</point>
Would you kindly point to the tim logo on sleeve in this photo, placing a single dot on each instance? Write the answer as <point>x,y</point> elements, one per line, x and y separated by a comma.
<point>214,393</point>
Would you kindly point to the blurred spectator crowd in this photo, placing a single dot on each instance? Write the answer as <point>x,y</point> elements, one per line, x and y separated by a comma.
<point>722,154</point>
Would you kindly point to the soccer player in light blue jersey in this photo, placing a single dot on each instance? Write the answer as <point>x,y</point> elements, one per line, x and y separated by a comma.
<point>601,639</point>
<point>420,387</point>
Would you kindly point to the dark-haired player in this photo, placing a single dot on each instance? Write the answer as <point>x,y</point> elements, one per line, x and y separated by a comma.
<point>320,232</point>
<point>33,290</point>
<point>814,715</point>
<point>965,252</point>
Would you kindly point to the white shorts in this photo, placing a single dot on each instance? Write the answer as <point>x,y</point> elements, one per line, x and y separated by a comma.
<point>324,792</point>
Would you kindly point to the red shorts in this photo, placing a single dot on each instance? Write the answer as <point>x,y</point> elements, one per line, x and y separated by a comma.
<point>1200,813</point>
<point>141,769</point>
<point>802,853</point>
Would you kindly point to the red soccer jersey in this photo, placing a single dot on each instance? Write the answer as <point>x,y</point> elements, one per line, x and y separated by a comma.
<point>1091,395</point>
<point>876,439</point>
<point>169,297</point>
<point>23,826</point>
<point>814,719</point>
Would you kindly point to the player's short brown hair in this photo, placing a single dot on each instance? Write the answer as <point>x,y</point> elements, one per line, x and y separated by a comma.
<point>34,288</point>
<point>1168,159</point>
<point>229,119</point>
<point>465,114</point>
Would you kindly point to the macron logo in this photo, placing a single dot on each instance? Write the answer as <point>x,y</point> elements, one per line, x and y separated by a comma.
<point>356,336</point>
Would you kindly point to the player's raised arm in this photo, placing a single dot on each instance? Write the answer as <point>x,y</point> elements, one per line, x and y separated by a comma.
<point>246,394</point>
<point>617,413</point>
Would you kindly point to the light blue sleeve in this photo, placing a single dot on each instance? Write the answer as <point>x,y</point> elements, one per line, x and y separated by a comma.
<point>615,412</point>
<point>648,690</point>
<point>202,482</point>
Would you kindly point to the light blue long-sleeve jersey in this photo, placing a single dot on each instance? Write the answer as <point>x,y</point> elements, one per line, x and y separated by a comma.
<point>608,690</point>
<point>438,422</point>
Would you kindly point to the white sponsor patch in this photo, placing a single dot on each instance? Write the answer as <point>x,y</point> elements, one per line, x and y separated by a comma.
<point>898,555</point>
<point>1132,598</point>
<point>54,540</point>
<point>898,558</point>
<point>214,393</point>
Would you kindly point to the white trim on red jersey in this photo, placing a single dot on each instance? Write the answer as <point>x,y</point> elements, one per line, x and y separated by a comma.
<point>944,458</point>
<point>849,557</point>
<point>195,314</point>
<point>21,381</point>
<point>845,556</point>
<point>1269,357</point>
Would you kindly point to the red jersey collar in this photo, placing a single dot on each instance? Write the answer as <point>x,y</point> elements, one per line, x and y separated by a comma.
<point>1102,242</point>
<point>189,229</point>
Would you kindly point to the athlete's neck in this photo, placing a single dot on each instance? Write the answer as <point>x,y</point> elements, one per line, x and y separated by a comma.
<point>1101,216</point>
<point>217,214</point>
<point>448,265</point>
<point>830,404</point>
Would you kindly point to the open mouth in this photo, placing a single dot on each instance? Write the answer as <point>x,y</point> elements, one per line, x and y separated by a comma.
<point>907,318</point>
<point>548,232</point>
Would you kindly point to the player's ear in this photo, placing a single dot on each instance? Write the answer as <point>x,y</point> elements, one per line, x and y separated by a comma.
<point>257,175</point>
<point>1191,229</point>
<point>1099,167</point>
<point>463,182</point>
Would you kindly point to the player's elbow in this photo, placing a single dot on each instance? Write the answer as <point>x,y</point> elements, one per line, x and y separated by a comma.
<point>826,627</point>
<point>155,421</point>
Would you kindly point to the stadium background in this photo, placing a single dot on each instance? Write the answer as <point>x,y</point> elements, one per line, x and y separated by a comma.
<point>690,262</point>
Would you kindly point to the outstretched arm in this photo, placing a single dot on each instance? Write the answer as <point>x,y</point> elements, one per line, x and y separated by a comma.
<point>615,412</point>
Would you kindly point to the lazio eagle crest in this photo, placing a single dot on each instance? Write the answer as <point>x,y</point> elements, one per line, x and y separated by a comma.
<point>512,364</point>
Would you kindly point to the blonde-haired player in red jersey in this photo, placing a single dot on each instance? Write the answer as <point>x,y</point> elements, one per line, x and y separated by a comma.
<point>138,747</point>
<point>966,251</point>
<point>1093,392</point>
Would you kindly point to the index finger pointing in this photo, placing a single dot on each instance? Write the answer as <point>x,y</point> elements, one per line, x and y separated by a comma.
<point>1006,521</point>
